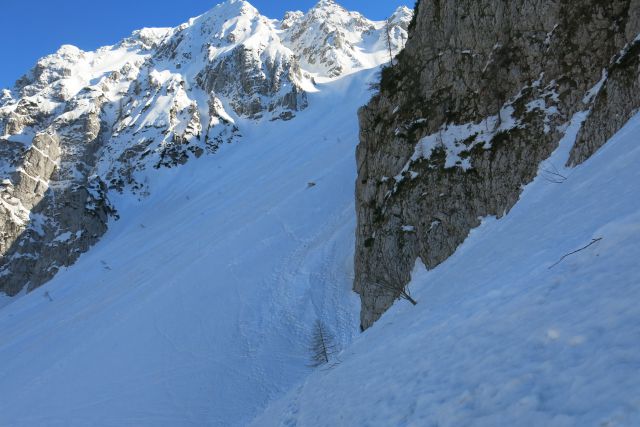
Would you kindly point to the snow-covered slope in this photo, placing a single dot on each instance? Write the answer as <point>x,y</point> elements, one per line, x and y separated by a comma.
<point>196,307</point>
<point>231,171</point>
<point>503,334</point>
<point>226,148</point>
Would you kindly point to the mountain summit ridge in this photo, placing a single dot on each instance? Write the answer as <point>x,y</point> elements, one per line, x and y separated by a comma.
<point>80,127</point>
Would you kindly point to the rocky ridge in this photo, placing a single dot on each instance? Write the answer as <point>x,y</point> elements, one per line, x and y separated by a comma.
<point>81,127</point>
<point>477,101</point>
<point>331,41</point>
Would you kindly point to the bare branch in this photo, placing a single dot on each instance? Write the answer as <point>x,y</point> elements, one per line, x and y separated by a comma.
<point>594,241</point>
<point>403,293</point>
<point>553,175</point>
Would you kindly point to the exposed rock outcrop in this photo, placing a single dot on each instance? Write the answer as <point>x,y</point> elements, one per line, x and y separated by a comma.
<point>481,95</point>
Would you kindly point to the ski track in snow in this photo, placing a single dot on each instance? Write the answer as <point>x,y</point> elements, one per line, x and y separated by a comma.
<point>196,307</point>
<point>498,338</point>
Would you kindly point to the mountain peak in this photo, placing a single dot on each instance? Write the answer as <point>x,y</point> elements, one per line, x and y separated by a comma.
<point>401,17</point>
<point>329,7</point>
<point>403,10</point>
<point>233,9</point>
<point>326,3</point>
<point>239,4</point>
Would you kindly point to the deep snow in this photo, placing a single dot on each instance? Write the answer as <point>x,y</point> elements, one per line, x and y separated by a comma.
<point>196,307</point>
<point>501,336</point>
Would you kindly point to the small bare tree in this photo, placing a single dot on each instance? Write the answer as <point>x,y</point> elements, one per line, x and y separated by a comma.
<point>322,345</point>
<point>401,292</point>
<point>396,284</point>
<point>552,174</point>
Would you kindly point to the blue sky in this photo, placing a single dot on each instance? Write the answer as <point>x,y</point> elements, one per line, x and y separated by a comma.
<point>30,29</point>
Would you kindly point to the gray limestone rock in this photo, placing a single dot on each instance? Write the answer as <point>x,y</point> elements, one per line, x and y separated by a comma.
<point>478,99</point>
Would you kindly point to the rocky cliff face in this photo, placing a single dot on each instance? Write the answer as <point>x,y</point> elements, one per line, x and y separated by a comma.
<point>477,101</point>
<point>82,129</point>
